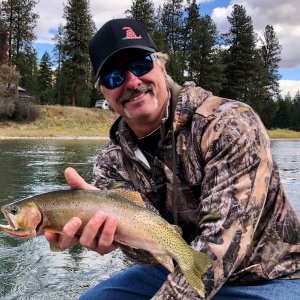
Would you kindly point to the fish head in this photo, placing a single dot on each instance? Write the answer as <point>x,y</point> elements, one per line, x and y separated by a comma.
<point>24,219</point>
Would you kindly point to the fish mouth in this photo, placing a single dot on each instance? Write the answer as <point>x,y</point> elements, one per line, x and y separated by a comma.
<point>13,227</point>
<point>12,223</point>
<point>32,223</point>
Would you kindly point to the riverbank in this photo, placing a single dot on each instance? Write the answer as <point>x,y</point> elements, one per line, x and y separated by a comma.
<point>66,122</point>
<point>55,121</point>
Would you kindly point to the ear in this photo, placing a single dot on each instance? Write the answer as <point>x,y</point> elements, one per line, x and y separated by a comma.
<point>102,89</point>
<point>160,66</point>
<point>163,69</point>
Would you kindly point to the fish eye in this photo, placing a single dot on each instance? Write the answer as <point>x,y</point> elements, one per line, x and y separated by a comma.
<point>14,210</point>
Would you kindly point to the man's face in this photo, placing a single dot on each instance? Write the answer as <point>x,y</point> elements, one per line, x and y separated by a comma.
<point>138,99</point>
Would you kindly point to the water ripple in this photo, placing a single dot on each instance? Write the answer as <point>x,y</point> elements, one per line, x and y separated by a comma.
<point>28,269</point>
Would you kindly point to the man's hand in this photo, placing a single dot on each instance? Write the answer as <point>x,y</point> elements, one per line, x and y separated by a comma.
<point>98,233</point>
<point>75,181</point>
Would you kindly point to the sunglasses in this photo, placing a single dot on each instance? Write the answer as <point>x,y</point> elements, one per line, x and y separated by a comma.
<point>138,67</point>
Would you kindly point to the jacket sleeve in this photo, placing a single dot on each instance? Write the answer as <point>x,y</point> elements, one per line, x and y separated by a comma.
<point>236,167</point>
<point>109,169</point>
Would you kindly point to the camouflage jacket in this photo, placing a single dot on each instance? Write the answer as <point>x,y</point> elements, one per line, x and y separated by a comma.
<point>224,161</point>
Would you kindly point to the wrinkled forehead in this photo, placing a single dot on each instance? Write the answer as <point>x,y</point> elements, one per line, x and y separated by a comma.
<point>122,58</point>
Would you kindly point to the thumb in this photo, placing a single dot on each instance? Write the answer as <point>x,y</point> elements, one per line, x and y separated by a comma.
<point>75,181</point>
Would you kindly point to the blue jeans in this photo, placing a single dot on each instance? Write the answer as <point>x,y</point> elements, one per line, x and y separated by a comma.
<point>142,282</point>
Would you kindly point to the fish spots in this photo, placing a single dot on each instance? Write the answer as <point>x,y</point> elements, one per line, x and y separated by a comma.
<point>138,227</point>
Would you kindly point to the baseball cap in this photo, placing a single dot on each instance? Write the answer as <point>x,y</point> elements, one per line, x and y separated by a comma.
<point>116,35</point>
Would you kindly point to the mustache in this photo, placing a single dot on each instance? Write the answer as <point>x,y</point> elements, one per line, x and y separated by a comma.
<point>129,94</point>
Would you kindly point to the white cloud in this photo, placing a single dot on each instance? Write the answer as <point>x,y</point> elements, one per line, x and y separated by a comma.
<point>50,16</point>
<point>282,15</point>
<point>291,86</point>
<point>219,15</point>
<point>103,11</point>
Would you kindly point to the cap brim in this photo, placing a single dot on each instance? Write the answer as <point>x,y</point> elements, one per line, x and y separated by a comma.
<point>128,47</point>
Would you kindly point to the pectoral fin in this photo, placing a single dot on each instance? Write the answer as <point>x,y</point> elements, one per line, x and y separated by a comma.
<point>54,248</point>
<point>54,230</point>
<point>115,185</point>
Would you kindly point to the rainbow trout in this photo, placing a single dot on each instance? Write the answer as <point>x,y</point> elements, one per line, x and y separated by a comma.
<point>137,227</point>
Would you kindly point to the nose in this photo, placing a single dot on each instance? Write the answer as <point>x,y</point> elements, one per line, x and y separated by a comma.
<point>132,81</point>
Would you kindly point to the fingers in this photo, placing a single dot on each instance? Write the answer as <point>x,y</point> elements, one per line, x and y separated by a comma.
<point>98,234</point>
<point>66,240</point>
<point>69,239</point>
<point>106,238</point>
<point>75,181</point>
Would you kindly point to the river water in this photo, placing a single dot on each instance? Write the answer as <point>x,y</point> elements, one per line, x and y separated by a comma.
<point>28,269</point>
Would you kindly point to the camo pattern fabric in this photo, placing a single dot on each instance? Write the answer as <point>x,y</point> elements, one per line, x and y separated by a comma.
<point>224,162</point>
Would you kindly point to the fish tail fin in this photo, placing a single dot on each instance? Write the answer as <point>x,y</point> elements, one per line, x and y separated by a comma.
<point>198,267</point>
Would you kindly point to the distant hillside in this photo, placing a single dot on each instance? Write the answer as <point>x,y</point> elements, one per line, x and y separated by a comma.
<point>62,121</point>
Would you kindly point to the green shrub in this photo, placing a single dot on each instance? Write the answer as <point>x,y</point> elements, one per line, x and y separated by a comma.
<point>25,111</point>
<point>16,109</point>
<point>7,107</point>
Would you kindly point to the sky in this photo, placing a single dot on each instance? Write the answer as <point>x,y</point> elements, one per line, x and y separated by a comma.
<point>282,15</point>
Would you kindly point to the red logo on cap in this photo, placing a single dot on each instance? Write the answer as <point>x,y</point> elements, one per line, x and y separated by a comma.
<point>130,34</point>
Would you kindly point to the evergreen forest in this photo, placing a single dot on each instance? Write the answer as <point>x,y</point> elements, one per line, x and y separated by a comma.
<point>240,64</point>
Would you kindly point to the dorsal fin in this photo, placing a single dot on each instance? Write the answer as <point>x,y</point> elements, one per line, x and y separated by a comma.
<point>115,185</point>
<point>133,196</point>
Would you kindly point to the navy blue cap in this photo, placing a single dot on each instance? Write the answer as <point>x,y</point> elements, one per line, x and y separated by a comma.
<point>116,35</point>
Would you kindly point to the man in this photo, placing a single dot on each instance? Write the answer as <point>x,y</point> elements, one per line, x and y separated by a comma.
<point>187,152</point>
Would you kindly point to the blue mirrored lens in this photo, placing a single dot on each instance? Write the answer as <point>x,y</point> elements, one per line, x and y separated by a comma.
<point>138,67</point>
<point>142,66</point>
<point>113,79</point>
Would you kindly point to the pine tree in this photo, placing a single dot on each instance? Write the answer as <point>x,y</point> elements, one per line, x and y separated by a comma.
<point>271,50</point>
<point>192,40</point>
<point>29,70</point>
<point>295,117</point>
<point>45,79</point>
<point>78,32</point>
<point>59,39</point>
<point>283,115</point>
<point>267,77</point>
<point>19,18</point>
<point>158,34</point>
<point>171,20</point>
<point>3,41</point>
<point>242,60</point>
<point>203,63</point>
<point>143,11</point>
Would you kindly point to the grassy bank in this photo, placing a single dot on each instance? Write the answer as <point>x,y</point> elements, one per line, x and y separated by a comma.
<point>57,121</point>
<point>284,134</point>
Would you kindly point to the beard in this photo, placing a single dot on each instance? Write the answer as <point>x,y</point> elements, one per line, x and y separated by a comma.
<point>129,116</point>
<point>131,94</point>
